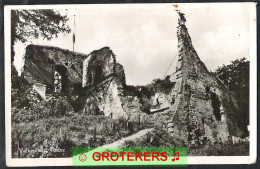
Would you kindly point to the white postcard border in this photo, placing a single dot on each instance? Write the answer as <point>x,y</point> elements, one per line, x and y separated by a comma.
<point>13,162</point>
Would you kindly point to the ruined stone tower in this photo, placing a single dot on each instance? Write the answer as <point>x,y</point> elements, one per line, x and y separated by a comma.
<point>204,108</point>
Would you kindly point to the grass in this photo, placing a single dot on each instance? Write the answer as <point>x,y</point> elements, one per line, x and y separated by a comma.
<point>160,138</point>
<point>80,130</point>
<point>76,130</point>
<point>227,149</point>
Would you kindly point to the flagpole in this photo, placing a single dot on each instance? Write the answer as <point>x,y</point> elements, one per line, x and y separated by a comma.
<point>74,34</point>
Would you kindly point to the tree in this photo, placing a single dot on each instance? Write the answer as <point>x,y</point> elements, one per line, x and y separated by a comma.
<point>236,77</point>
<point>45,23</point>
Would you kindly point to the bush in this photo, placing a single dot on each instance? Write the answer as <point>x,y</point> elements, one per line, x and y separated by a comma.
<point>217,149</point>
<point>162,85</point>
<point>67,132</point>
<point>146,105</point>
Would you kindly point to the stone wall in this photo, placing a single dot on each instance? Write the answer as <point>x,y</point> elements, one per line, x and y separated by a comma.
<point>104,82</point>
<point>41,89</point>
<point>203,109</point>
<point>85,68</point>
<point>41,61</point>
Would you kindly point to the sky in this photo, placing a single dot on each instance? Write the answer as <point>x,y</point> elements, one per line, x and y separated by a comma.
<point>143,37</point>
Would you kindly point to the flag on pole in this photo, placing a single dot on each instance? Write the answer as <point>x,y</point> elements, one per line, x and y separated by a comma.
<point>74,37</point>
<point>73,40</point>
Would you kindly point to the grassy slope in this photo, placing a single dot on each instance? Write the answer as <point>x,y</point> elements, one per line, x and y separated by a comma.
<point>160,138</point>
<point>76,130</point>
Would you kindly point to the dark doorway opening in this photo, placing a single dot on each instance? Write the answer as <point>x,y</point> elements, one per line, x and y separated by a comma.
<point>99,74</point>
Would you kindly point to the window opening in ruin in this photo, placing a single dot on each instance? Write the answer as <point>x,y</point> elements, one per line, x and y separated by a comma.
<point>99,74</point>
<point>60,79</point>
<point>216,106</point>
<point>203,120</point>
<point>57,82</point>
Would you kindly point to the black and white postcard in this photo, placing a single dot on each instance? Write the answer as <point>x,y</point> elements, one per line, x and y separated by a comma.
<point>130,75</point>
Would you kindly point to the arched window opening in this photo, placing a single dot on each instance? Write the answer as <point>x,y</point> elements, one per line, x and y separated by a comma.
<point>99,74</point>
<point>57,82</point>
<point>60,79</point>
<point>216,106</point>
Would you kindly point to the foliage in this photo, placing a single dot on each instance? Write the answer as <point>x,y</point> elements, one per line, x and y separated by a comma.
<point>65,132</point>
<point>45,23</point>
<point>221,149</point>
<point>144,93</point>
<point>27,105</point>
<point>146,105</point>
<point>34,108</point>
<point>162,85</point>
<point>130,90</point>
<point>156,138</point>
<point>16,81</point>
<point>18,88</point>
<point>158,85</point>
<point>236,77</point>
<point>161,138</point>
